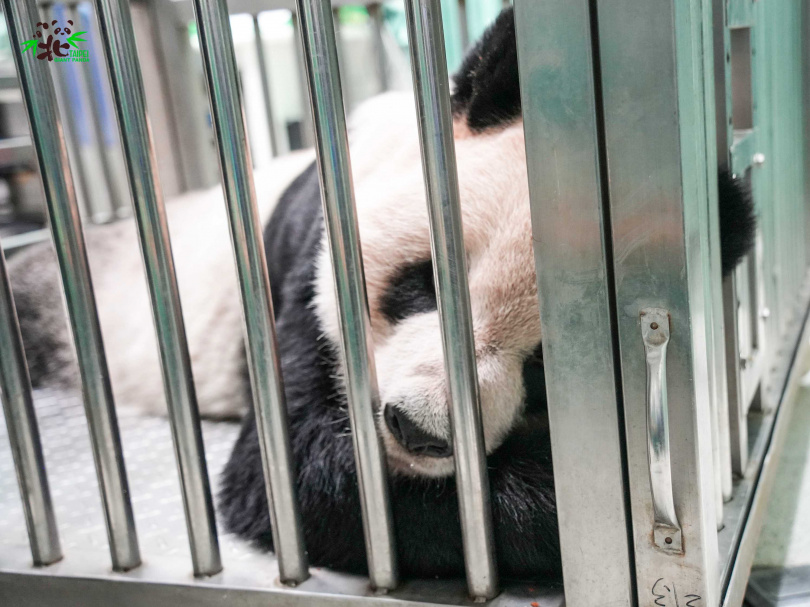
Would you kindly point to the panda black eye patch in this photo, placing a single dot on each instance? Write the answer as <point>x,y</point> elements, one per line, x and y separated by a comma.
<point>410,292</point>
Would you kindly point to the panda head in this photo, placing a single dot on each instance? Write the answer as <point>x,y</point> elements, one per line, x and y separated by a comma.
<point>413,418</point>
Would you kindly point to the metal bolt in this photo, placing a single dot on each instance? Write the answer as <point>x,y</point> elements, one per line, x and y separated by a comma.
<point>654,326</point>
<point>758,159</point>
<point>668,540</point>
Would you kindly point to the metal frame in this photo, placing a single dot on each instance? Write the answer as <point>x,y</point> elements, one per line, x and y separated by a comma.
<point>656,151</point>
<point>571,226</point>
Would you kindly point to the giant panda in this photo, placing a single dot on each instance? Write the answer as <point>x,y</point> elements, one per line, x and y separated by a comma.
<point>413,419</point>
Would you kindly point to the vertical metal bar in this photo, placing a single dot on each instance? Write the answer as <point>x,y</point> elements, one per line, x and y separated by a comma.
<point>264,74</point>
<point>571,232</point>
<point>46,131</point>
<point>306,117</point>
<point>100,96</point>
<point>96,185</point>
<point>197,167</point>
<point>432,91</point>
<point>715,38</point>
<point>738,420</point>
<point>115,26</point>
<point>340,45</point>
<point>375,11</point>
<point>23,433</point>
<point>332,146</point>
<point>222,77</point>
<point>712,274</point>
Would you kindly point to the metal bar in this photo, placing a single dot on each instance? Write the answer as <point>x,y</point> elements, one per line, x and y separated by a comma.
<point>46,129</point>
<point>732,408</point>
<point>77,583</point>
<point>340,44</point>
<point>432,90</point>
<point>306,117</point>
<point>222,78</point>
<point>331,143</point>
<point>84,126</point>
<point>264,74</point>
<point>375,11</point>
<point>572,257</point>
<point>23,432</point>
<point>115,26</point>
<point>189,128</point>
<point>738,420</point>
<point>712,274</point>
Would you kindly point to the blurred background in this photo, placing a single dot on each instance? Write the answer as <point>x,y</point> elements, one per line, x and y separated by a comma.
<point>373,57</point>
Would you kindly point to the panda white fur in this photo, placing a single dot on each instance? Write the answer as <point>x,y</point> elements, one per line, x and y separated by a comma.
<point>413,419</point>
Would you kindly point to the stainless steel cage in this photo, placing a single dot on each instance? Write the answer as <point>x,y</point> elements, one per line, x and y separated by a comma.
<point>669,389</point>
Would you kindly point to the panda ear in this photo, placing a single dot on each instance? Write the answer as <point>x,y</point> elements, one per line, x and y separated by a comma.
<point>487,86</point>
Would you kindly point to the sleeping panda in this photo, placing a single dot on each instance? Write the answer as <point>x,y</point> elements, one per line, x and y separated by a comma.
<point>413,420</point>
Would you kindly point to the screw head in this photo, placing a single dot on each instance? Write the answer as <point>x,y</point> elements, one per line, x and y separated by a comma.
<point>654,326</point>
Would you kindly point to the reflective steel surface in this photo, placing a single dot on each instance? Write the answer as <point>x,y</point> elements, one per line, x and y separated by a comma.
<point>23,433</point>
<point>571,237</point>
<point>224,94</point>
<point>331,143</point>
<point>432,90</point>
<point>115,23</point>
<point>655,334</point>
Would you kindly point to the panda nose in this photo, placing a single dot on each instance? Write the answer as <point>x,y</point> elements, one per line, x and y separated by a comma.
<point>412,437</point>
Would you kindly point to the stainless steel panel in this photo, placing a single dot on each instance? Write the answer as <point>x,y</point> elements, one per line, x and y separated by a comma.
<point>46,130</point>
<point>224,95</point>
<point>23,433</point>
<point>571,233</point>
<point>115,25</point>
<point>657,148</point>
<point>432,90</point>
<point>331,143</point>
<point>715,325</point>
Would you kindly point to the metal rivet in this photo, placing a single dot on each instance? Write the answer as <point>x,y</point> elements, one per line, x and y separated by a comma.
<point>668,540</point>
<point>654,326</point>
<point>758,159</point>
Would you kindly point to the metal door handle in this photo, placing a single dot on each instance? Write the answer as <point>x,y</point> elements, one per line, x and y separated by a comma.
<point>655,334</point>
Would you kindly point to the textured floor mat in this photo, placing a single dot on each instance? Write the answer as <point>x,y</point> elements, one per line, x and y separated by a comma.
<point>152,472</point>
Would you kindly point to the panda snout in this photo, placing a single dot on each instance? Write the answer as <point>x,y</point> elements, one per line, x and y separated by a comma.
<point>412,437</point>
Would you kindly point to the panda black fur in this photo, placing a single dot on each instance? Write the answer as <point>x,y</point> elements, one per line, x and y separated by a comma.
<point>425,509</point>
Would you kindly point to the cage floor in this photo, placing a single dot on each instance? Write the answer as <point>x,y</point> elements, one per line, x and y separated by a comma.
<point>153,481</point>
<point>159,518</point>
